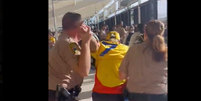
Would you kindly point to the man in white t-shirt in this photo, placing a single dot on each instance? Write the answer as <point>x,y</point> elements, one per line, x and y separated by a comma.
<point>140,28</point>
<point>103,32</point>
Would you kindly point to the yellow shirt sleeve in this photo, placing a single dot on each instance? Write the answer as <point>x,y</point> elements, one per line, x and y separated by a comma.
<point>94,55</point>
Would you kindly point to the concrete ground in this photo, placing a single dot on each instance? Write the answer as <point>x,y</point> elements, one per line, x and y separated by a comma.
<point>87,87</point>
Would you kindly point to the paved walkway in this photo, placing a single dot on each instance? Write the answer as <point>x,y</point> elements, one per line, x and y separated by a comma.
<point>87,86</point>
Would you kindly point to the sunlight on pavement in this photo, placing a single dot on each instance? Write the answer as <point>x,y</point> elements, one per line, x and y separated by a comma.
<point>87,87</point>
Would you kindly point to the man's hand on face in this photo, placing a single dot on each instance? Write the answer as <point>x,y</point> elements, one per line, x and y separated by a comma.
<point>85,33</point>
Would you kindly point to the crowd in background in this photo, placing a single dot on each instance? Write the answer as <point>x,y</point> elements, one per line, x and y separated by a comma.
<point>125,32</point>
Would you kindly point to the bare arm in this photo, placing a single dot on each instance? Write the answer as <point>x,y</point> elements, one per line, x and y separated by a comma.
<point>123,69</point>
<point>94,44</point>
<point>84,63</point>
<point>124,32</point>
<point>122,76</point>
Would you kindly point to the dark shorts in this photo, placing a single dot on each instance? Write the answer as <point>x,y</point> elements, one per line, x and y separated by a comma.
<point>146,97</point>
<point>107,97</point>
<point>51,95</point>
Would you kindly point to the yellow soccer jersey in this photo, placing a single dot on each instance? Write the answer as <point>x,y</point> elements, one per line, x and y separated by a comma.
<point>108,59</point>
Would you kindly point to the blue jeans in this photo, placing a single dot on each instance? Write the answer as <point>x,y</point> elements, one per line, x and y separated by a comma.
<point>107,97</point>
<point>146,97</point>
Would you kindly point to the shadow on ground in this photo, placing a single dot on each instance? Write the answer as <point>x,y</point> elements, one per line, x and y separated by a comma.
<point>85,95</point>
<point>91,75</point>
<point>89,79</point>
<point>87,86</point>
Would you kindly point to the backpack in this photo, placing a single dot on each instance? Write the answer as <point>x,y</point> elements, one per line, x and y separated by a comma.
<point>139,39</point>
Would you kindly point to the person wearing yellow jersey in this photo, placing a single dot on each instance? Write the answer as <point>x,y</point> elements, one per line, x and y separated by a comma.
<point>108,86</point>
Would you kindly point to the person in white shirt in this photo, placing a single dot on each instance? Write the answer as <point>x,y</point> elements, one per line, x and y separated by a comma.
<point>140,28</point>
<point>103,32</point>
<point>128,37</point>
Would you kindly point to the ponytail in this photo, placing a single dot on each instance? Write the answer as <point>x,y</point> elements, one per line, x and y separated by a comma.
<point>154,31</point>
<point>158,46</point>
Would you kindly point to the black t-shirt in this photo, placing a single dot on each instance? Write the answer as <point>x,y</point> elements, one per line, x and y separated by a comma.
<point>128,38</point>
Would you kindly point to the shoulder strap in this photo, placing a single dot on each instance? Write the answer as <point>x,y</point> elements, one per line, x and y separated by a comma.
<point>141,36</point>
<point>138,37</point>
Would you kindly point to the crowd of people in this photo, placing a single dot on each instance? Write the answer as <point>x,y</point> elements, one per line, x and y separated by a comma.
<point>125,32</point>
<point>130,61</point>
